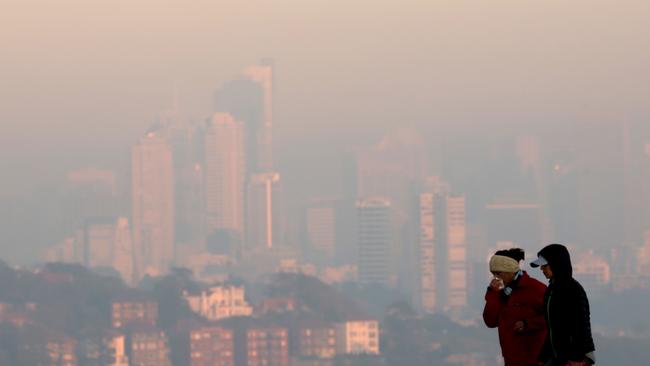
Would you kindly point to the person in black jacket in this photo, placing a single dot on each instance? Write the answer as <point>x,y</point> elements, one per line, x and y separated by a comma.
<point>566,308</point>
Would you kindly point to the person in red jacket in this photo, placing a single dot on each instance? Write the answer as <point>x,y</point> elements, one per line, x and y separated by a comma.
<point>514,302</point>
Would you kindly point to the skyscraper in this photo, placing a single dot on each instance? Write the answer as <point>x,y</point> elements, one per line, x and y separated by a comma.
<point>265,224</point>
<point>442,271</point>
<point>224,175</point>
<point>185,139</point>
<point>107,243</point>
<point>456,255</point>
<point>249,99</point>
<point>375,241</point>
<point>152,190</point>
<point>263,75</point>
<point>320,227</point>
<point>123,253</point>
<point>98,242</point>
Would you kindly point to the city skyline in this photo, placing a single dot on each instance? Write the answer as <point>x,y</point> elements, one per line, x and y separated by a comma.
<point>317,183</point>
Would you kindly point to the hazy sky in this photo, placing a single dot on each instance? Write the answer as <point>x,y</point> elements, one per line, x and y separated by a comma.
<point>80,80</point>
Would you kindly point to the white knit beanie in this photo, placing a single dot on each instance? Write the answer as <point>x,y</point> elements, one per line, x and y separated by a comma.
<point>501,263</point>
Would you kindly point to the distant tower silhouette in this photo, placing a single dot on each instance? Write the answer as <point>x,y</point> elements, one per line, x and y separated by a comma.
<point>442,252</point>
<point>263,75</point>
<point>249,99</point>
<point>224,175</point>
<point>152,189</point>
<point>265,226</point>
<point>375,241</point>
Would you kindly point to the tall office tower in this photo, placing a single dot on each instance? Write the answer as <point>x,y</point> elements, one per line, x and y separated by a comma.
<point>636,174</point>
<point>644,173</point>
<point>529,157</point>
<point>456,255</point>
<point>320,228</point>
<point>600,184</point>
<point>186,141</point>
<point>152,190</point>
<point>426,294</point>
<point>442,273</point>
<point>123,253</point>
<point>562,202</point>
<point>265,225</point>
<point>100,242</point>
<point>643,257</point>
<point>224,176</point>
<point>263,75</point>
<point>250,100</point>
<point>374,220</point>
<point>528,153</point>
<point>99,239</point>
<point>391,169</point>
<point>190,202</point>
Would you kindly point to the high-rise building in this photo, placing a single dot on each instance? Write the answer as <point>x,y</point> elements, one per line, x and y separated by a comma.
<point>185,139</point>
<point>374,219</point>
<point>106,242</point>
<point>224,175</point>
<point>250,100</point>
<point>153,205</point>
<point>66,251</point>
<point>392,169</point>
<point>263,75</point>
<point>427,279</point>
<point>456,255</point>
<point>99,241</point>
<point>123,251</point>
<point>442,277</point>
<point>643,261</point>
<point>320,227</point>
<point>265,224</point>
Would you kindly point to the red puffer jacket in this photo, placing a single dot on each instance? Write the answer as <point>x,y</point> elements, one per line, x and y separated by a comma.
<point>526,303</point>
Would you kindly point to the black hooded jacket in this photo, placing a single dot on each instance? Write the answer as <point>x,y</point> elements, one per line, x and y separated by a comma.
<point>566,310</point>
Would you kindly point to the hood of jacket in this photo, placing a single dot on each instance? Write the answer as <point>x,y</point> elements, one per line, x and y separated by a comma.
<point>558,258</point>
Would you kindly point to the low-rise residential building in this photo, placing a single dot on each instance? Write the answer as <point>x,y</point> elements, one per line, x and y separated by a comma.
<point>357,337</point>
<point>61,351</point>
<point>211,346</point>
<point>314,339</point>
<point>149,347</point>
<point>126,313</point>
<point>267,346</point>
